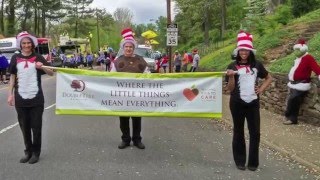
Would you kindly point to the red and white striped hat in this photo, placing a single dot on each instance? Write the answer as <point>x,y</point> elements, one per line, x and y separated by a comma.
<point>24,34</point>
<point>245,41</point>
<point>301,45</point>
<point>127,35</point>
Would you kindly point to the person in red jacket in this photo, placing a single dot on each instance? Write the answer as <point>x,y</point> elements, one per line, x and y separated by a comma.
<point>164,62</point>
<point>299,80</point>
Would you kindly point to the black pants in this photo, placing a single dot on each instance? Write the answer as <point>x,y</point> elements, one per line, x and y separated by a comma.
<point>125,129</point>
<point>108,66</point>
<point>178,68</point>
<point>241,111</point>
<point>30,121</point>
<point>293,104</point>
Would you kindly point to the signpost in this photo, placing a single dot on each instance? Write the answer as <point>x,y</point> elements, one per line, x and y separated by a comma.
<point>172,35</point>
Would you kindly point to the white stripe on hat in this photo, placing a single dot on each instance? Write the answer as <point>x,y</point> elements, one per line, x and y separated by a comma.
<point>246,42</point>
<point>127,34</point>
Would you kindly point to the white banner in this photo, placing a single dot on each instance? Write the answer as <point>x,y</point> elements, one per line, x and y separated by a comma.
<point>85,92</point>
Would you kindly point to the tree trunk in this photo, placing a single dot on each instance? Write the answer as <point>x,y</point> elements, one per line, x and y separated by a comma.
<point>76,29</point>
<point>35,21</point>
<point>43,23</point>
<point>77,19</point>
<point>206,26</point>
<point>38,23</point>
<point>223,18</point>
<point>2,17</point>
<point>24,21</point>
<point>11,18</point>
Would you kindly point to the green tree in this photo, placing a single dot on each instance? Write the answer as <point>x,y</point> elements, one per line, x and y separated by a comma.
<point>11,10</point>
<point>77,10</point>
<point>2,17</point>
<point>300,7</point>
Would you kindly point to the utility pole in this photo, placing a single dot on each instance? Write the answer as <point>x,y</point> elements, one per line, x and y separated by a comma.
<point>98,33</point>
<point>169,48</point>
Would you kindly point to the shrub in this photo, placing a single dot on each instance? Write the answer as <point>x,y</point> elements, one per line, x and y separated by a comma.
<point>283,14</point>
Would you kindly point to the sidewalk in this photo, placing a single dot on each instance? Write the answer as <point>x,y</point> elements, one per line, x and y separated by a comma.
<point>299,142</point>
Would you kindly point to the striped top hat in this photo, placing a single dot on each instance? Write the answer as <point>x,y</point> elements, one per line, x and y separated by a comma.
<point>24,34</point>
<point>127,35</point>
<point>244,41</point>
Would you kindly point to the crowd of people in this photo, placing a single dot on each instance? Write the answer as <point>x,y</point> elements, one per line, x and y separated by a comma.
<point>87,60</point>
<point>180,62</point>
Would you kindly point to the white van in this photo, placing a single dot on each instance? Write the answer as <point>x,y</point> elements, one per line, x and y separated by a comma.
<point>8,46</point>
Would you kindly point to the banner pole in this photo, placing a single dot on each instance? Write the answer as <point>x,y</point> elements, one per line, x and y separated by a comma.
<point>50,67</point>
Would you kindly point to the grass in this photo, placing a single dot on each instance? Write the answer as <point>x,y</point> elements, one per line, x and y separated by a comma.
<point>220,58</point>
<point>284,65</point>
<point>307,18</point>
<point>217,60</point>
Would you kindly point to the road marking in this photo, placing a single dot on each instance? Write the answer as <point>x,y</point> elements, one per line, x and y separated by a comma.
<point>15,124</point>
<point>50,106</point>
<point>9,127</point>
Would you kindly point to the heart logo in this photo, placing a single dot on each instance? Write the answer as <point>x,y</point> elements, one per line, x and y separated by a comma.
<point>190,93</point>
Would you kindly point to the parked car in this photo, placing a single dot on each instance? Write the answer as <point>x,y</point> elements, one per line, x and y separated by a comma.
<point>146,53</point>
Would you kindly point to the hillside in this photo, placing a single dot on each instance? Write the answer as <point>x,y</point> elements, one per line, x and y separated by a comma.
<point>274,48</point>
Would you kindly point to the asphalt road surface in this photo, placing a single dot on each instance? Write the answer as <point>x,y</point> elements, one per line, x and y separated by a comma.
<point>85,148</point>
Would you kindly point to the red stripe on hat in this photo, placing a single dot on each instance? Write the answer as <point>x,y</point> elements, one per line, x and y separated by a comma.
<point>245,38</point>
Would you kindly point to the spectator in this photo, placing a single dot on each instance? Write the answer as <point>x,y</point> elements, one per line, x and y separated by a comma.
<point>185,62</point>
<point>3,68</point>
<point>195,60</point>
<point>177,61</point>
<point>89,59</point>
<point>299,80</point>
<point>164,62</point>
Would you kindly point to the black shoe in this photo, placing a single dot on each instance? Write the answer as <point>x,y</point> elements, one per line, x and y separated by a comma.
<point>123,145</point>
<point>25,158</point>
<point>34,159</point>
<point>139,145</point>
<point>241,167</point>
<point>252,168</point>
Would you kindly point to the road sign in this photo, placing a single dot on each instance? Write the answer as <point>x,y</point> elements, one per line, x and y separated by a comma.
<point>172,34</point>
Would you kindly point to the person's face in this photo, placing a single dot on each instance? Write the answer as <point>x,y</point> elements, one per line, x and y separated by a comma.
<point>26,45</point>
<point>298,53</point>
<point>244,54</point>
<point>128,49</point>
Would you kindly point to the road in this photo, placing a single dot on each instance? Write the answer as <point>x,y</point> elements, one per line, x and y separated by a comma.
<point>85,147</point>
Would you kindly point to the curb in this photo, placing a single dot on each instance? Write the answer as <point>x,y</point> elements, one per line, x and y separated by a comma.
<point>309,165</point>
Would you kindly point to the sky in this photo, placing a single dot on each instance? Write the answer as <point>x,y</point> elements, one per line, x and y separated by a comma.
<point>144,11</point>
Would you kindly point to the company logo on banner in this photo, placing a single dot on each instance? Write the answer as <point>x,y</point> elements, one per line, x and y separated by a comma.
<point>75,92</point>
<point>78,85</point>
<point>190,93</point>
<point>130,94</point>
